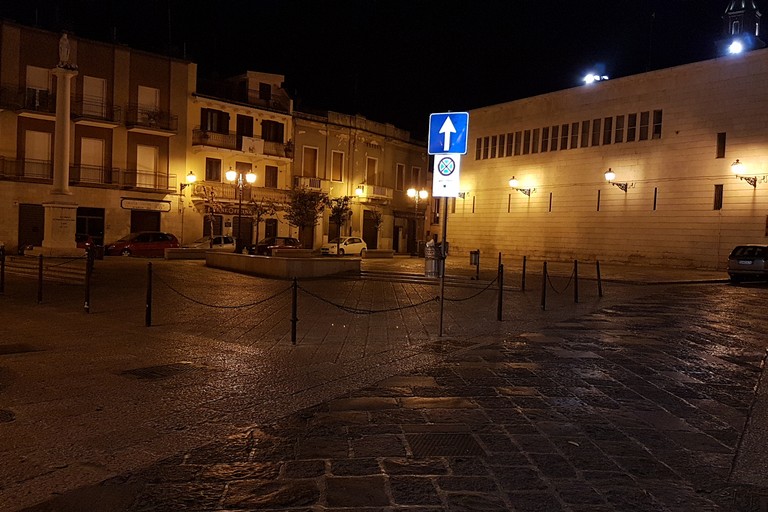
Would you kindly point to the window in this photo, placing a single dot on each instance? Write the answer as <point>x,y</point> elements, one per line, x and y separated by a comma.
<point>502,143</point>
<point>518,142</point>
<point>91,160</point>
<point>149,104</point>
<point>38,78</point>
<point>644,119</point>
<point>526,142</point>
<point>37,154</point>
<point>94,97</point>
<point>337,165</point>
<point>265,91</point>
<point>545,139</point>
<point>272,131</point>
<point>631,127</point>
<point>555,138</point>
<point>564,137</point>
<point>212,169</point>
<point>270,176</point>
<point>415,177</point>
<point>718,197</point>
<point>486,144</point>
<point>535,141</point>
<point>212,120</point>
<point>607,130</point>
<point>619,137</point>
<point>584,134</point>
<point>494,142</point>
<point>510,144</point>
<point>596,132</point>
<point>147,158</point>
<point>399,176</point>
<point>309,162</point>
<point>720,145</point>
<point>372,171</point>
<point>574,135</point>
<point>656,133</point>
<point>478,148</point>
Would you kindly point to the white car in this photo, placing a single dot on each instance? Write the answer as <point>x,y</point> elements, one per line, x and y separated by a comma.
<point>220,243</point>
<point>346,245</point>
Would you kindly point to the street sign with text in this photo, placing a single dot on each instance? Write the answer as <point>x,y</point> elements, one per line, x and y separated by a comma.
<point>445,175</point>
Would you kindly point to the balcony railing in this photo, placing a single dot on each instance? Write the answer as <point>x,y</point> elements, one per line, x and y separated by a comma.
<point>307,182</point>
<point>38,100</point>
<point>132,178</point>
<point>39,170</point>
<point>84,107</point>
<point>214,139</point>
<point>280,149</point>
<point>230,193</point>
<point>93,175</point>
<point>140,116</point>
<point>376,192</point>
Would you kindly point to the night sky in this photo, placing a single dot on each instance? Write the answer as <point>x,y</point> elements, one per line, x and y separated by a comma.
<point>397,61</point>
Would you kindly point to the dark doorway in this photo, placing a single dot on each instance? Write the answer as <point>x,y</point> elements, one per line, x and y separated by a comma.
<point>90,221</point>
<point>218,222</point>
<point>370,233</point>
<point>246,234</point>
<point>270,228</point>
<point>142,220</point>
<point>307,237</point>
<point>396,238</point>
<point>31,225</point>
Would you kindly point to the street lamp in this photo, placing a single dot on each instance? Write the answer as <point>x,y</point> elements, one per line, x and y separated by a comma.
<point>191,178</point>
<point>236,178</point>
<point>416,195</point>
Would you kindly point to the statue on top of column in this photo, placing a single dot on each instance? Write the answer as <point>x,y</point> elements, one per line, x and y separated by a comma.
<point>64,53</point>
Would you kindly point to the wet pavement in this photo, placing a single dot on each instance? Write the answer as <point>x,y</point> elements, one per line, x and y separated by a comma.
<point>634,401</point>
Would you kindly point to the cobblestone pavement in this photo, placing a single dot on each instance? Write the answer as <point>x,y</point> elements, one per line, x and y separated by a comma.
<point>632,403</point>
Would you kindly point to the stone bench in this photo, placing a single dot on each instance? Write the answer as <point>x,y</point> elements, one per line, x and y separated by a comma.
<point>279,267</point>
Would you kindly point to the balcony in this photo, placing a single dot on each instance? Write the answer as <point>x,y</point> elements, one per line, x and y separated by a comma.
<point>316,184</point>
<point>375,193</point>
<point>146,180</point>
<point>228,193</point>
<point>95,111</point>
<point>93,175</point>
<point>214,139</point>
<point>36,103</point>
<point>147,120</point>
<point>279,149</point>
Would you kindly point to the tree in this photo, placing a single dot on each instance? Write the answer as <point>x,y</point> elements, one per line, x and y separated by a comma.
<point>211,207</point>
<point>304,207</point>
<point>259,210</point>
<point>341,211</point>
<point>378,221</point>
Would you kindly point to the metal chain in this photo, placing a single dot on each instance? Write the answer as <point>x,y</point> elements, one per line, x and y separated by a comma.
<point>239,306</point>
<point>360,311</point>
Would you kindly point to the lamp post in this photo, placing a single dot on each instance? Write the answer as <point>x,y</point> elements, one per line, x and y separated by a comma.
<point>236,178</point>
<point>416,195</point>
<point>191,178</point>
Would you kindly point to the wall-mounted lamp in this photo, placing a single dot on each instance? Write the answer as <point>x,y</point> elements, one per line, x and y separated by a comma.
<point>739,169</point>
<point>191,178</point>
<point>463,195</point>
<point>360,190</point>
<point>513,183</point>
<point>610,176</point>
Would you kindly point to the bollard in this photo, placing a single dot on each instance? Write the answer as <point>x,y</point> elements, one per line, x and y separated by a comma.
<point>294,310</point>
<point>2,269</point>
<point>501,290</point>
<point>544,288</point>
<point>88,270</point>
<point>40,279</point>
<point>576,281</point>
<point>148,310</point>
<point>599,281</point>
<point>522,282</point>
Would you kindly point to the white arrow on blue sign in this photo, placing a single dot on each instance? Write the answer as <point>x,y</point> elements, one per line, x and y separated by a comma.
<point>448,133</point>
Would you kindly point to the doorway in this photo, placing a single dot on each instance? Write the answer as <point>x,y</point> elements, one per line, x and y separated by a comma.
<point>142,220</point>
<point>31,225</point>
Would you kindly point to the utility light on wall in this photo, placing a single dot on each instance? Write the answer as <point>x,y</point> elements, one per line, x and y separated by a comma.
<point>513,183</point>
<point>610,176</point>
<point>738,169</point>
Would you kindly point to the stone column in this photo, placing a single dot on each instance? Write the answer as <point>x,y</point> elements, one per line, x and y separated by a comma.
<point>61,145</point>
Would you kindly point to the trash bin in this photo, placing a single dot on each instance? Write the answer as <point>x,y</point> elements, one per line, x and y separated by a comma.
<point>431,261</point>
<point>474,257</point>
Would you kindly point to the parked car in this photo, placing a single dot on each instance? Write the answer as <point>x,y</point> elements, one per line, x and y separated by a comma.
<point>83,241</point>
<point>748,263</point>
<point>217,243</point>
<point>267,245</point>
<point>144,243</point>
<point>345,245</point>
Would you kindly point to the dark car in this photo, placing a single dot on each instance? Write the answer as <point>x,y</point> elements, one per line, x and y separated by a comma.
<point>144,243</point>
<point>748,263</point>
<point>83,241</point>
<point>265,247</point>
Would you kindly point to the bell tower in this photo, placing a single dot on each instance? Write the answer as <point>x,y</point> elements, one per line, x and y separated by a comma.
<point>741,27</point>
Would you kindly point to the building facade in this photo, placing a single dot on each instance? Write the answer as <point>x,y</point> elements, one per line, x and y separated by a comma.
<point>669,139</point>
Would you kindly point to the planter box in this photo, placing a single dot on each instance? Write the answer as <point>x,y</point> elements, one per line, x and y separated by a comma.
<point>282,268</point>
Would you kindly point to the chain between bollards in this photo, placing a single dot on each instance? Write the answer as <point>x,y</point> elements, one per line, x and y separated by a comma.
<point>544,287</point>
<point>294,310</point>
<point>148,310</point>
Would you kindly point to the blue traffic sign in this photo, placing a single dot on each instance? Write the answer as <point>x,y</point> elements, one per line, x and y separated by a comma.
<point>448,133</point>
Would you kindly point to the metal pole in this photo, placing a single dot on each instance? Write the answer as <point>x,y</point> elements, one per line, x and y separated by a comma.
<point>294,310</point>
<point>40,279</point>
<point>477,267</point>
<point>442,257</point>
<point>501,291</point>
<point>148,310</point>
<point>544,288</point>
<point>599,280</point>
<point>2,269</point>
<point>238,244</point>
<point>88,269</point>
<point>522,281</point>
<point>576,281</point>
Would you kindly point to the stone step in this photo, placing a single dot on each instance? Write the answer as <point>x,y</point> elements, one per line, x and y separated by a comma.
<point>62,270</point>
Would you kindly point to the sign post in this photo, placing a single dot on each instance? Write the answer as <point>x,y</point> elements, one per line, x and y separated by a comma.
<point>447,142</point>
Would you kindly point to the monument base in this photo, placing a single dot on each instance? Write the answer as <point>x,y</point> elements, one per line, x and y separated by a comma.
<point>59,231</point>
